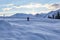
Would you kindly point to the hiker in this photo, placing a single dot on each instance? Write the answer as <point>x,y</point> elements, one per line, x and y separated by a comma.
<point>27,18</point>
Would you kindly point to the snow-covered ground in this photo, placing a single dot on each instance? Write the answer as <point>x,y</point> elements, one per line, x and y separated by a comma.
<point>35,29</point>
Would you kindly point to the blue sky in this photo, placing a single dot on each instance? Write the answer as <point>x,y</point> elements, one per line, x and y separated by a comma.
<point>9,7</point>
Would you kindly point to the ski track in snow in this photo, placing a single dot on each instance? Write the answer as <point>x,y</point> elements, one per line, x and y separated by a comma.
<point>40,29</point>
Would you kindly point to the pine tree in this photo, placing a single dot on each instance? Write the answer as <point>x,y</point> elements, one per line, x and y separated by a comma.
<point>49,16</point>
<point>37,15</point>
<point>57,16</point>
<point>53,16</point>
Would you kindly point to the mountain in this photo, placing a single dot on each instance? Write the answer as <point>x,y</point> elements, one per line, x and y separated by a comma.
<point>53,13</point>
<point>40,15</point>
<point>21,15</point>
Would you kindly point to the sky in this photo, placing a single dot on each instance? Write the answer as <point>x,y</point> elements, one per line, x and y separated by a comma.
<point>10,7</point>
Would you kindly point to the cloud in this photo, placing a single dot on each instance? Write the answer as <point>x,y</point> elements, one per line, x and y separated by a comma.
<point>10,4</point>
<point>6,5</point>
<point>33,6</point>
<point>6,9</point>
<point>56,6</point>
<point>27,6</point>
<point>52,6</point>
<point>36,5</point>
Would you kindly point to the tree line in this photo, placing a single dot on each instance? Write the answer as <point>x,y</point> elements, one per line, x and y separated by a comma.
<point>57,16</point>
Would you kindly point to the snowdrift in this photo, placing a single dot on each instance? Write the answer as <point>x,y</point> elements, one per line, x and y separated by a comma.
<point>4,25</point>
<point>42,29</point>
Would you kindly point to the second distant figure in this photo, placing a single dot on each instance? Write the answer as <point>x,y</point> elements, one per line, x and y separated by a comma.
<point>27,18</point>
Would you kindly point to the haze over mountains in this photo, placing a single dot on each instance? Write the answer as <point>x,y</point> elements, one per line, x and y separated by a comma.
<point>43,15</point>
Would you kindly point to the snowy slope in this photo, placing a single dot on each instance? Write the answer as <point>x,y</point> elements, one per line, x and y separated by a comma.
<point>43,15</point>
<point>35,29</point>
<point>53,13</point>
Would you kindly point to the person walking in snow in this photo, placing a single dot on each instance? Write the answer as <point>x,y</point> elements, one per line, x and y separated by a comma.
<point>27,18</point>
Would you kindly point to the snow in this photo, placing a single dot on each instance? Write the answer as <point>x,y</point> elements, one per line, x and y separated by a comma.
<point>35,29</point>
<point>53,13</point>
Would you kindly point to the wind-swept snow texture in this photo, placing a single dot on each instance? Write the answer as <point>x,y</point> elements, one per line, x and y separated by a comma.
<point>35,29</point>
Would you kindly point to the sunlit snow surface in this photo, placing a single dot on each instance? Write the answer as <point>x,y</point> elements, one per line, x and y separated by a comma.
<point>35,29</point>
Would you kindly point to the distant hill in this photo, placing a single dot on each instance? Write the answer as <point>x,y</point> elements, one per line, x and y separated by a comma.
<point>21,15</point>
<point>41,15</point>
